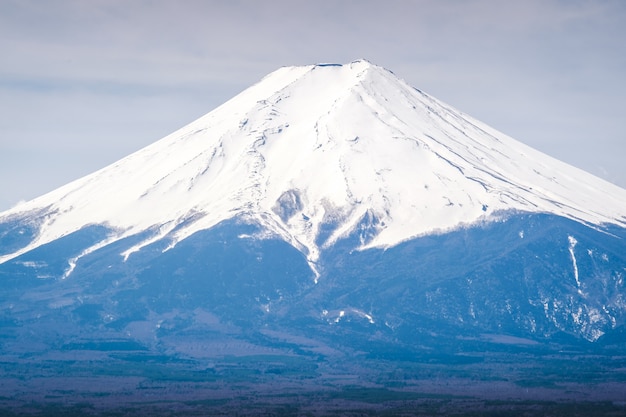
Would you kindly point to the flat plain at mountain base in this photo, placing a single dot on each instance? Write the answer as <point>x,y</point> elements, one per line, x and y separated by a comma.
<point>265,385</point>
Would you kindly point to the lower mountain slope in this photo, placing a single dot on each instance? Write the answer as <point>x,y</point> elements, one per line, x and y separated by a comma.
<point>532,276</point>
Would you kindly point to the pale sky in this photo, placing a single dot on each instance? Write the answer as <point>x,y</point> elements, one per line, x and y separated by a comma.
<point>86,82</point>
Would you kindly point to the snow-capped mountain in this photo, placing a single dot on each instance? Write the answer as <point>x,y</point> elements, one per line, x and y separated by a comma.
<point>321,145</point>
<point>330,226</point>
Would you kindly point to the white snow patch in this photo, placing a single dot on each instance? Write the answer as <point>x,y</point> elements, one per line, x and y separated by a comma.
<point>348,311</point>
<point>572,244</point>
<point>33,264</point>
<point>577,315</point>
<point>72,261</point>
<point>340,316</point>
<point>608,313</point>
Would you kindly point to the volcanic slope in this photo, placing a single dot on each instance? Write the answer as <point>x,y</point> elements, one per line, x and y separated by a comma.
<point>310,153</point>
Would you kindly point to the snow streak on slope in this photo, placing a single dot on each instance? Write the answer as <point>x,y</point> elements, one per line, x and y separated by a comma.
<point>323,147</point>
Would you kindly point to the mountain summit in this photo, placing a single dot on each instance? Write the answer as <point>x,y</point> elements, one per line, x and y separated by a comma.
<point>311,152</point>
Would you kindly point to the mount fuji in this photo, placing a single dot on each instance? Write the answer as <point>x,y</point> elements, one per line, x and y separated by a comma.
<point>330,226</point>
